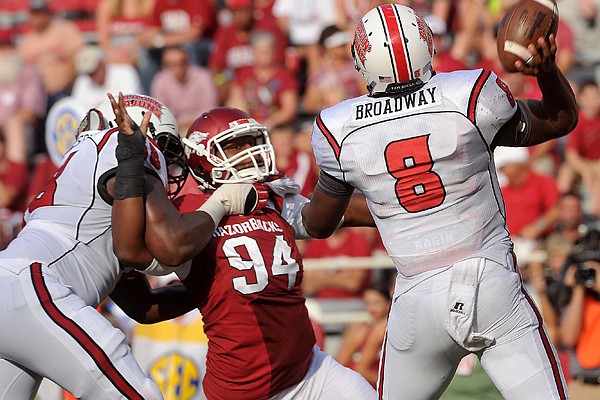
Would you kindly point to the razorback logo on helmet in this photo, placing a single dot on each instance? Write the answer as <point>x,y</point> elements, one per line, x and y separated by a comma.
<point>198,137</point>
<point>132,100</point>
<point>425,32</point>
<point>361,42</point>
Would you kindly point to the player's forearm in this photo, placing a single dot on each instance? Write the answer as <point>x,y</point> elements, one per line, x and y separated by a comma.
<point>171,238</point>
<point>192,234</point>
<point>321,216</point>
<point>170,301</point>
<point>128,233</point>
<point>128,224</point>
<point>558,101</point>
<point>147,306</point>
<point>174,238</point>
<point>358,213</point>
<point>177,238</point>
<point>127,189</point>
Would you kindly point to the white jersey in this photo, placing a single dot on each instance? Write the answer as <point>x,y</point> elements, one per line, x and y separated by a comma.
<point>423,161</point>
<point>68,225</point>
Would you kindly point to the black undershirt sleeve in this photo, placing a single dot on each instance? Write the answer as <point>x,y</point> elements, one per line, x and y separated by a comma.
<point>516,131</point>
<point>333,186</point>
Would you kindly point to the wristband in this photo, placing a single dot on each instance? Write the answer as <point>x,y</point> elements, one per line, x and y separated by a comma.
<point>130,146</point>
<point>130,175</point>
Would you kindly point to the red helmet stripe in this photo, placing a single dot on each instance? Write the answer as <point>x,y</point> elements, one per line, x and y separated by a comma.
<point>391,25</point>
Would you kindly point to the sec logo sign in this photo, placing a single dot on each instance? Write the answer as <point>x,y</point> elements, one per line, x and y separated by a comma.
<point>61,127</point>
<point>177,376</point>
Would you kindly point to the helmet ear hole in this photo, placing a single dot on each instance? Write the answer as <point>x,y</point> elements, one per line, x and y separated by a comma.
<point>92,121</point>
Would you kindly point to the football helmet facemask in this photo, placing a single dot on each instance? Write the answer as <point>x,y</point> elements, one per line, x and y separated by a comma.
<point>393,49</point>
<point>205,142</point>
<point>163,130</point>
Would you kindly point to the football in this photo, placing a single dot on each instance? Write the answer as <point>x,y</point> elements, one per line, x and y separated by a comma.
<point>523,24</point>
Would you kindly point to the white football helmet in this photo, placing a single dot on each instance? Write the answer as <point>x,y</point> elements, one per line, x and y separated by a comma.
<point>207,160</point>
<point>393,49</point>
<point>163,130</point>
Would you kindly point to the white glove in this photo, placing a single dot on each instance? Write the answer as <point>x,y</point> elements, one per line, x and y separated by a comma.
<point>284,185</point>
<point>233,199</point>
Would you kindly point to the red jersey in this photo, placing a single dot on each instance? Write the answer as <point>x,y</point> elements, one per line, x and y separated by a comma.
<point>444,62</point>
<point>354,244</point>
<point>528,202</point>
<point>246,283</point>
<point>231,48</point>
<point>585,138</point>
<point>181,15</point>
<point>263,96</point>
<point>16,176</point>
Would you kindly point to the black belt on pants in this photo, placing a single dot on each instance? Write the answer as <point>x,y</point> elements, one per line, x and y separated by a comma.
<point>587,380</point>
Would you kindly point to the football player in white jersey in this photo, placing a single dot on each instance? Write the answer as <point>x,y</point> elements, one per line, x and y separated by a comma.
<point>420,147</point>
<point>62,265</point>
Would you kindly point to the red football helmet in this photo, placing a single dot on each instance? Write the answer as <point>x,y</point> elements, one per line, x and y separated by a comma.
<point>206,159</point>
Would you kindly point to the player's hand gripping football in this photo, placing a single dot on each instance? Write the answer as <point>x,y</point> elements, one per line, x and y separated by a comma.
<point>543,57</point>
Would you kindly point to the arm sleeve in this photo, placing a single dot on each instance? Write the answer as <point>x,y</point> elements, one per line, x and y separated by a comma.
<point>516,132</point>
<point>334,187</point>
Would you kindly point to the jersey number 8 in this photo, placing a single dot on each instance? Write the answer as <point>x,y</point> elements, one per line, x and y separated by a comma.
<point>418,188</point>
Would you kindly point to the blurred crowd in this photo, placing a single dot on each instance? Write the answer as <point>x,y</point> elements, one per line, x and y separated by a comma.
<point>283,61</point>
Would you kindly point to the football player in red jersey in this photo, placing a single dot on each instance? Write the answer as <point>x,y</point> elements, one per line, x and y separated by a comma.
<point>246,280</point>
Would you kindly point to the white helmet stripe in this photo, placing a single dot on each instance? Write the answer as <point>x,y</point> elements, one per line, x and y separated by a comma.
<point>393,30</point>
